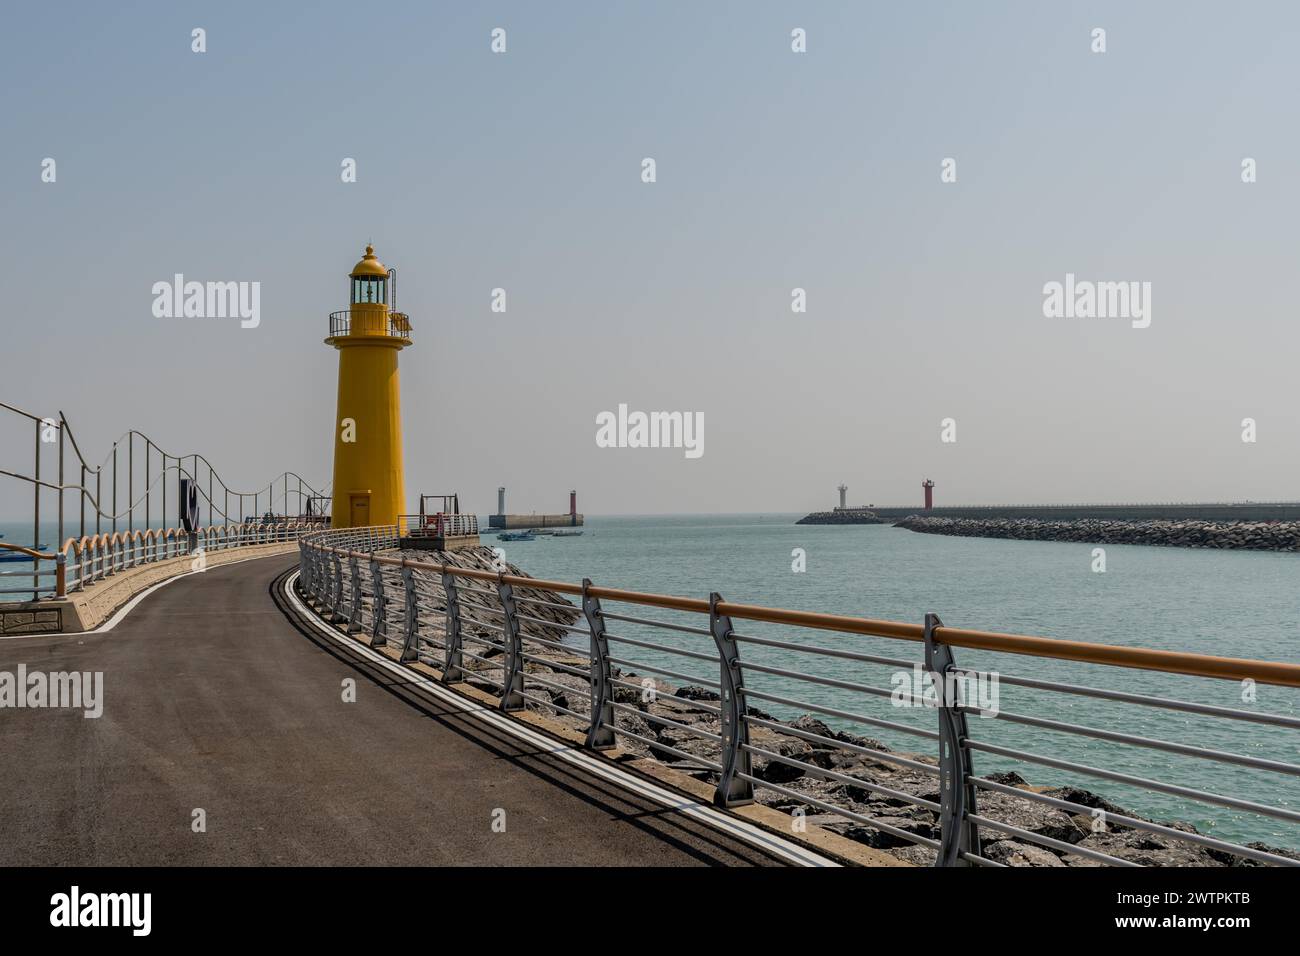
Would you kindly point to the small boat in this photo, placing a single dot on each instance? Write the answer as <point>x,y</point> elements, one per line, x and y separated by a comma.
<point>516,536</point>
<point>566,534</point>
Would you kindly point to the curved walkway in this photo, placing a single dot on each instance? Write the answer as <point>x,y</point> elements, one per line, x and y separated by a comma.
<point>215,698</point>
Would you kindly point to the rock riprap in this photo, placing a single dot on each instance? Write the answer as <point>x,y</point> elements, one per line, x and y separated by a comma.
<point>847,516</point>
<point>1187,533</point>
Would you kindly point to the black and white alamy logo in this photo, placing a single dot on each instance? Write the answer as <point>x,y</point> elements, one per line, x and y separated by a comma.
<point>75,908</point>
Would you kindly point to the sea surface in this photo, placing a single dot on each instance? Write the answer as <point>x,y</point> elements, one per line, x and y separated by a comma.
<point>1228,603</point>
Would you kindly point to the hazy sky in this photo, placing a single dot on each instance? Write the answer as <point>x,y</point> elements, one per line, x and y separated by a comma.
<point>775,170</point>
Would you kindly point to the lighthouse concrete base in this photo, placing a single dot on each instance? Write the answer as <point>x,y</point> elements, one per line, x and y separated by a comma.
<point>450,542</point>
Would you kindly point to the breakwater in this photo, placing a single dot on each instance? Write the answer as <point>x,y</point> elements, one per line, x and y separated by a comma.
<point>1178,533</point>
<point>517,522</point>
<point>847,516</point>
<point>1204,511</point>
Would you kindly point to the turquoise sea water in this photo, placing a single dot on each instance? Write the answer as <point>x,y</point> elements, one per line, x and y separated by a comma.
<point>1241,604</point>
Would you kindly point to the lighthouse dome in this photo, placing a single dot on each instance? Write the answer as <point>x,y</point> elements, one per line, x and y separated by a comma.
<point>369,265</point>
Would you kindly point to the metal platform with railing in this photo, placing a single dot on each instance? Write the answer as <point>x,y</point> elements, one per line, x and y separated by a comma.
<point>438,525</point>
<point>391,324</point>
<point>445,615</point>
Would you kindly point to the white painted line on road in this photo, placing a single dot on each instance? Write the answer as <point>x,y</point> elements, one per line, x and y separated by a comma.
<point>597,766</point>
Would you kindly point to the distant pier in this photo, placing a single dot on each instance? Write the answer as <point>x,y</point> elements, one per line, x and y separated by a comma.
<point>509,521</point>
<point>1173,511</point>
<point>1130,511</point>
<point>1257,526</point>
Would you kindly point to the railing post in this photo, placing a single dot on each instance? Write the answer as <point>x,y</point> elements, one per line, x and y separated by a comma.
<point>307,562</point>
<point>410,643</point>
<point>60,574</point>
<point>453,667</point>
<point>336,592</point>
<point>379,626</point>
<point>958,834</point>
<point>512,694</point>
<point>733,790</point>
<point>600,734</point>
<point>327,585</point>
<point>318,576</point>
<point>354,612</point>
<point>323,582</point>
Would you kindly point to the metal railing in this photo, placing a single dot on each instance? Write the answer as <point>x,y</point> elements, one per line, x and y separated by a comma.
<point>448,616</point>
<point>438,525</point>
<point>397,325</point>
<point>85,560</point>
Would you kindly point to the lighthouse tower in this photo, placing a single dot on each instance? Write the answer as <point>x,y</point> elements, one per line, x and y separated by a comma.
<point>368,485</point>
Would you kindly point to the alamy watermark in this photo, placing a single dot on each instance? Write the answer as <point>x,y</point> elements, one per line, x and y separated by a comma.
<point>624,429</point>
<point>208,300</point>
<point>1084,299</point>
<point>977,690</point>
<point>75,908</point>
<point>71,690</point>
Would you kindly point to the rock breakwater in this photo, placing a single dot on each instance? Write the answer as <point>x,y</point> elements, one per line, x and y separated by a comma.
<point>847,516</point>
<point>1187,533</point>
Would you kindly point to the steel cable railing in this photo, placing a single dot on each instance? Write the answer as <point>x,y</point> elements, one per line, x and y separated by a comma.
<point>126,492</point>
<point>940,806</point>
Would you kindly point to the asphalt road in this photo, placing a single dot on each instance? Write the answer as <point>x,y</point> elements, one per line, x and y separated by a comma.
<point>216,698</point>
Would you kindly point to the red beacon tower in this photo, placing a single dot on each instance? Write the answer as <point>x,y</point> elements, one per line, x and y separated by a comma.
<point>928,485</point>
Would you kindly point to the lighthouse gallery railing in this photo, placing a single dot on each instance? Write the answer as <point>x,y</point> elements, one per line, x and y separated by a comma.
<point>445,615</point>
<point>398,325</point>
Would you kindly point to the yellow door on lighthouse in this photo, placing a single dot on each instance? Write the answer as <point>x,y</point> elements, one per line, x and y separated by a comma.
<point>368,421</point>
<point>360,511</point>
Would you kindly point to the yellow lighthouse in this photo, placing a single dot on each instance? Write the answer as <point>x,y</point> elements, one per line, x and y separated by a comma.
<point>368,485</point>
